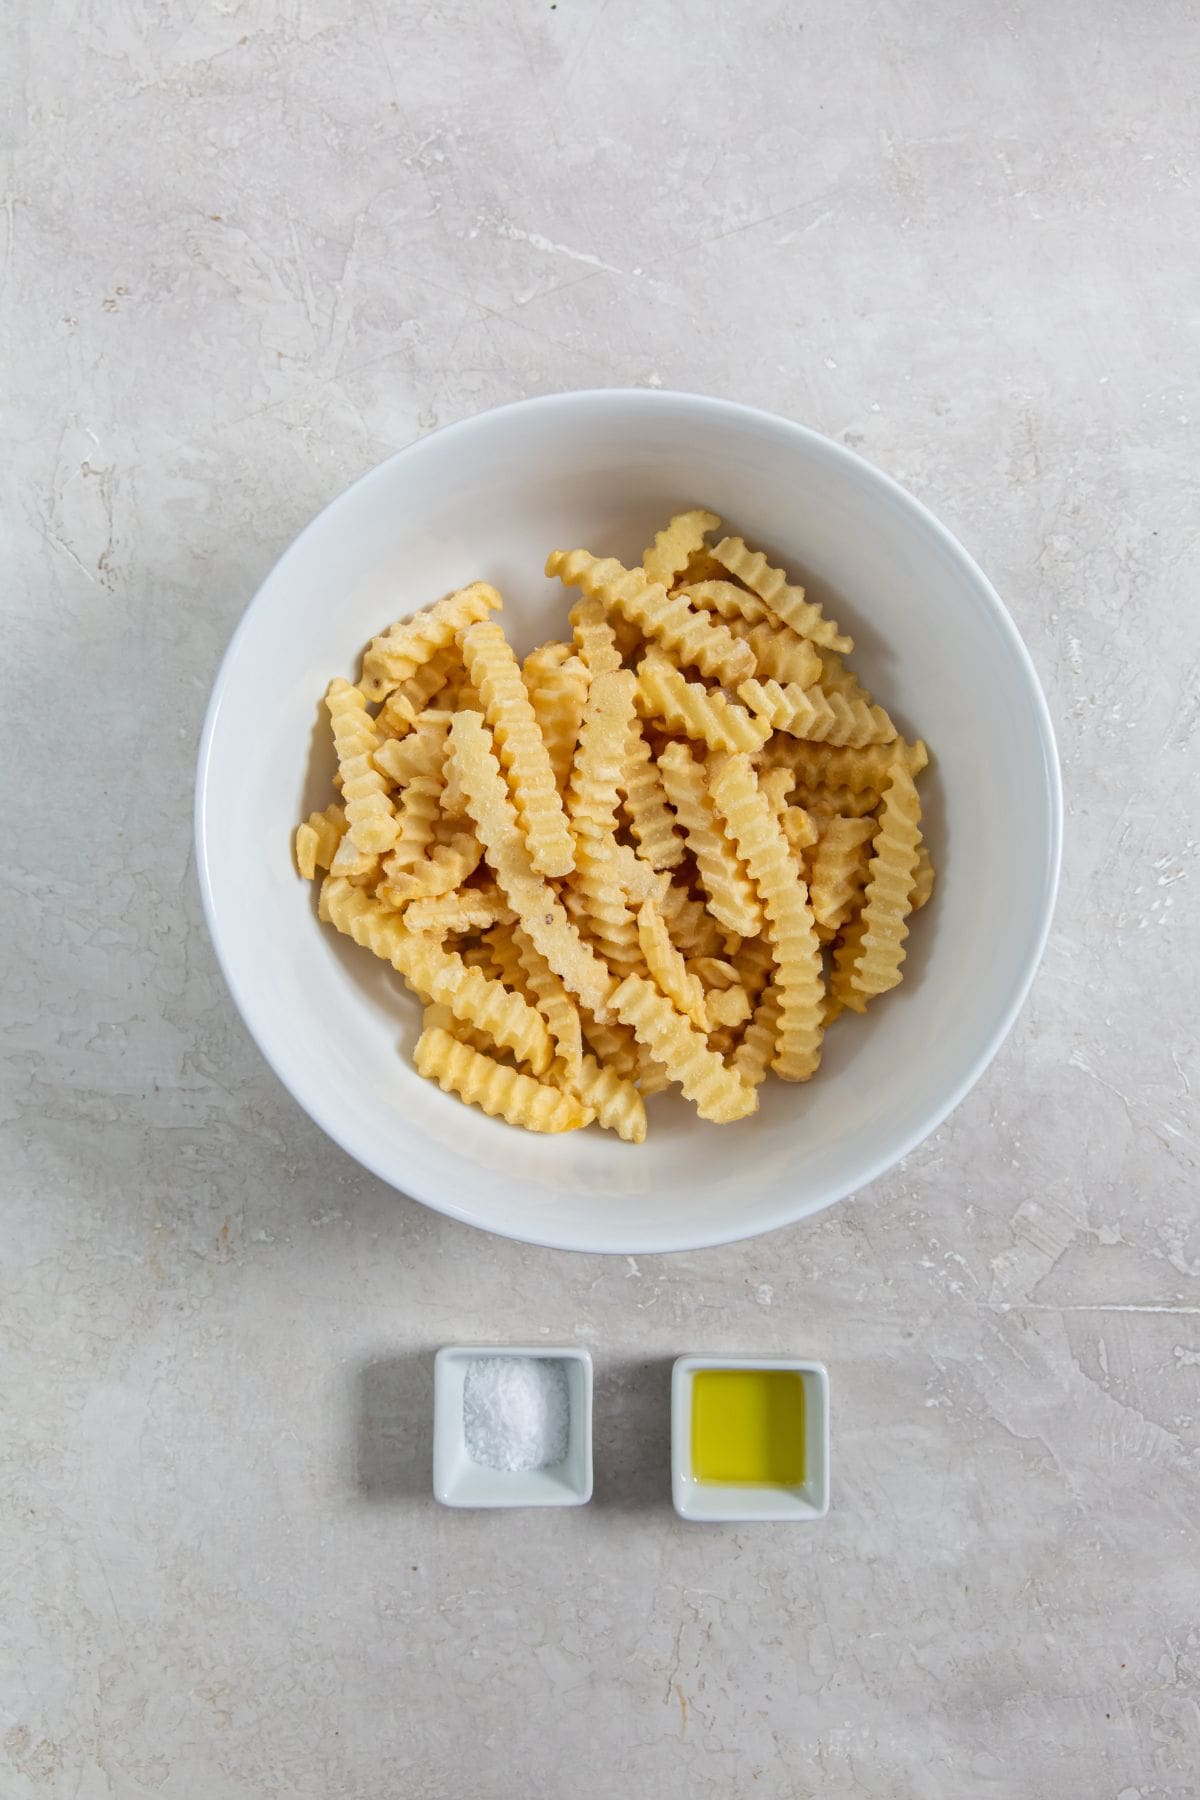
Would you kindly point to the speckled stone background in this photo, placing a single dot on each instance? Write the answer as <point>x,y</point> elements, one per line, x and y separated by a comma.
<point>249,249</point>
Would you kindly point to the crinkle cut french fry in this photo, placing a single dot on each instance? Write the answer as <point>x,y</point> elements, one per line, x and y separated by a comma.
<point>787,603</point>
<point>444,867</point>
<point>556,1006</point>
<point>780,654</point>
<point>752,1057</point>
<point>496,674</point>
<point>324,832</point>
<point>839,869</point>
<point>464,909</point>
<point>482,1081</point>
<point>725,597</point>
<point>557,686</point>
<point>810,713</point>
<point>679,540</point>
<point>370,819</point>
<point>615,1101</point>
<point>818,766</point>
<point>650,818</point>
<point>790,926</point>
<point>867,961</point>
<point>667,967</point>
<point>702,714</point>
<point>923,879</point>
<point>728,1006</point>
<point>594,636</point>
<point>592,809</point>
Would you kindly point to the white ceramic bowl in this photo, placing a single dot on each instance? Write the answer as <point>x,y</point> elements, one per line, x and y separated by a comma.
<point>487,499</point>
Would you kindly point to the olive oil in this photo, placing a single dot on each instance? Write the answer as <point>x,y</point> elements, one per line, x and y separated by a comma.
<point>748,1426</point>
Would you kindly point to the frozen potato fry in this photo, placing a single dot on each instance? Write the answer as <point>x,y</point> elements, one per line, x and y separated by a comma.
<point>627,862</point>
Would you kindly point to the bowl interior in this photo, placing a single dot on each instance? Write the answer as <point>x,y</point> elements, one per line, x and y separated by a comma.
<point>488,499</point>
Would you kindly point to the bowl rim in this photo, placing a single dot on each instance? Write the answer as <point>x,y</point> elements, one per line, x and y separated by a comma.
<point>560,401</point>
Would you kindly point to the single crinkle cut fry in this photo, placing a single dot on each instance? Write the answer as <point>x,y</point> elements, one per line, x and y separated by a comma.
<point>781,655</point>
<point>790,925</point>
<point>395,718</point>
<point>415,694</point>
<point>922,890</point>
<point>867,960</point>
<point>501,1092</point>
<point>352,864</point>
<point>836,678</point>
<point>667,967</point>
<point>403,648</point>
<point>713,972</point>
<point>638,880</point>
<point>536,905</point>
<point>506,961</point>
<point>465,909</point>
<point>702,566</point>
<point>595,897</point>
<point>787,603</point>
<point>703,714</point>
<point>651,820</point>
<point>306,851</point>
<point>439,974</point>
<point>421,752</point>
<point>495,672</point>
<point>731,896</point>
<point>556,1006</point>
<point>557,684</point>
<point>819,766</point>
<point>728,1006</point>
<point>615,1101</point>
<point>692,926</point>
<point>691,636</point>
<point>417,816</point>
<point>810,713</point>
<point>317,840</point>
<point>754,960</point>
<point>798,826</point>
<point>594,636</point>
<point>370,819</point>
<point>839,869</point>
<point>614,1045</point>
<point>826,803</point>
<point>679,540</point>
<point>445,866</point>
<point>652,1077</point>
<point>435,1016</point>
<point>717,1093</point>
<point>752,1057</point>
<point>735,604</point>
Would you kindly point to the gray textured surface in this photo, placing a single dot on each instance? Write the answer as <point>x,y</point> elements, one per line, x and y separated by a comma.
<point>249,249</point>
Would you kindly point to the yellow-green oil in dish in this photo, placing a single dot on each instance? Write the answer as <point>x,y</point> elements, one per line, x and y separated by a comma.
<point>748,1426</point>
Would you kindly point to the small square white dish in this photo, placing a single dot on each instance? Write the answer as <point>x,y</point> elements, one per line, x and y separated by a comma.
<point>712,1502</point>
<point>460,1481</point>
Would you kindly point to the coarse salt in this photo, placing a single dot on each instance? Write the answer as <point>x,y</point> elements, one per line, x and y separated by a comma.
<point>516,1412</point>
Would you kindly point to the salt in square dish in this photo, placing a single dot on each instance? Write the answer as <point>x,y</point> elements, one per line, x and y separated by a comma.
<point>460,1481</point>
<point>703,1501</point>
